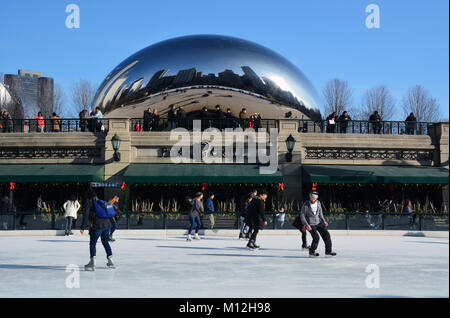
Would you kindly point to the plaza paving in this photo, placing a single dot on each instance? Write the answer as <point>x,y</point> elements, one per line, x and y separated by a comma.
<point>159,266</point>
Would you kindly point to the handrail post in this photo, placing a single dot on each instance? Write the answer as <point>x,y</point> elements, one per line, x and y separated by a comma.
<point>420,222</point>
<point>128,220</point>
<point>53,220</point>
<point>347,223</point>
<point>382,221</point>
<point>14,219</point>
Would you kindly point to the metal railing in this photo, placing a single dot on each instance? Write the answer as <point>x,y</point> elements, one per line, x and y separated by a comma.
<point>304,126</point>
<point>365,127</point>
<point>36,220</point>
<point>166,124</point>
<point>53,125</point>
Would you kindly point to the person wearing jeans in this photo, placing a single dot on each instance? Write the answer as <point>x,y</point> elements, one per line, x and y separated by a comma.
<point>312,217</point>
<point>71,208</point>
<point>194,215</point>
<point>98,228</point>
<point>104,234</point>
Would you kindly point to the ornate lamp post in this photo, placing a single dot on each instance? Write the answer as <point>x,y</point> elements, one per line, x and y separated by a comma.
<point>290,144</point>
<point>116,145</point>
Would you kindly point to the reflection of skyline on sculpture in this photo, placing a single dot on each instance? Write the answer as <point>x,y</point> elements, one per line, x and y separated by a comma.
<point>207,60</point>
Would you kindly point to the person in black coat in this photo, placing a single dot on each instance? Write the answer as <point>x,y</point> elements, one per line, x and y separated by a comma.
<point>181,115</point>
<point>219,118</point>
<point>147,119</point>
<point>256,219</point>
<point>375,120</point>
<point>343,122</point>
<point>411,121</point>
<point>172,117</point>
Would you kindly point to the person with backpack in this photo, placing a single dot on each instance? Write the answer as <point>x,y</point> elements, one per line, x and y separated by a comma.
<point>71,208</point>
<point>99,214</point>
<point>312,217</point>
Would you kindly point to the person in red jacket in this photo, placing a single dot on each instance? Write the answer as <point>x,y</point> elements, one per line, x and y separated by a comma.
<point>40,122</point>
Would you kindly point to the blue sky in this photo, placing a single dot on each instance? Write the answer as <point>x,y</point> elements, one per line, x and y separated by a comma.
<point>324,38</point>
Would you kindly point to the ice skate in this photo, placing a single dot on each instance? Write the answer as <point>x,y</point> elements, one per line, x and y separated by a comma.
<point>110,263</point>
<point>111,239</point>
<point>91,265</point>
<point>313,254</point>
<point>330,254</point>
<point>251,246</point>
<point>196,237</point>
<point>305,247</point>
<point>241,236</point>
<point>189,238</point>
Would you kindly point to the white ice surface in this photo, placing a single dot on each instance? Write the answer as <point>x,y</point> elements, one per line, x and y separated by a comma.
<point>223,267</point>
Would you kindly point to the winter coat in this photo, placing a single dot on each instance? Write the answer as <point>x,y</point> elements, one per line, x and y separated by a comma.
<point>71,208</point>
<point>308,217</point>
<point>196,208</point>
<point>209,206</point>
<point>255,218</point>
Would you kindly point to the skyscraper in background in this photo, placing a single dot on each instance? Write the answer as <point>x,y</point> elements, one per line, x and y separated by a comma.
<point>34,91</point>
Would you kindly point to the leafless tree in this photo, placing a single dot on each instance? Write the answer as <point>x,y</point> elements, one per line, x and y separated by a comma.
<point>59,98</point>
<point>83,93</point>
<point>337,96</point>
<point>377,99</point>
<point>418,101</point>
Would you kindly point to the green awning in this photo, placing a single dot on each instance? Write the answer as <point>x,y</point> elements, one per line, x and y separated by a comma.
<point>198,173</point>
<point>52,173</point>
<point>374,174</point>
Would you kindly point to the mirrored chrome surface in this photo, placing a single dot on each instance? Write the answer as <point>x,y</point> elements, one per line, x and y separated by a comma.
<point>211,60</point>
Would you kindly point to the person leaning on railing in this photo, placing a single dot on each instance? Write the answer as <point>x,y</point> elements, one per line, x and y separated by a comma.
<point>40,123</point>
<point>343,120</point>
<point>83,120</point>
<point>375,120</point>
<point>56,123</point>
<point>411,122</point>
<point>6,121</point>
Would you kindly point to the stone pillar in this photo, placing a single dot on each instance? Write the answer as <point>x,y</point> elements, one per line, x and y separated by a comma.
<point>291,170</point>
<point>439,133</point>
<point>114,170</point>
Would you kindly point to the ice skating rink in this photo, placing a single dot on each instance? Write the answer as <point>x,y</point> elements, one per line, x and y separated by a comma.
<point>159,266</point>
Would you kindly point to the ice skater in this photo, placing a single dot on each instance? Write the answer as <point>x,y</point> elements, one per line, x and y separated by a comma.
<point>256,218</point>
<point>98,213</point>
<point>312,217</point>
<point>194,215</point>
<point>302,228</point>
<point>71,208</point>
<point>244,229</point>
<point>114,220</point>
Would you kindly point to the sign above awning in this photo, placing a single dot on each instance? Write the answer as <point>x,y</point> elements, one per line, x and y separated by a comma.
<point>198,173</point>
<point>374,174</point>
<point>52,173</point>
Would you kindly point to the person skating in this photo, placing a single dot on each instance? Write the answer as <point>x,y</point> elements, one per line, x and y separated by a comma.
<point>256,218</point>
<point>99,227</point>
<point>302,228</point>
<point>312,217</point>
<point>71,208</point>
<point>245,203</point>
<point>115,202</point>
<point>210,209</point>
<point>194,215</point>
